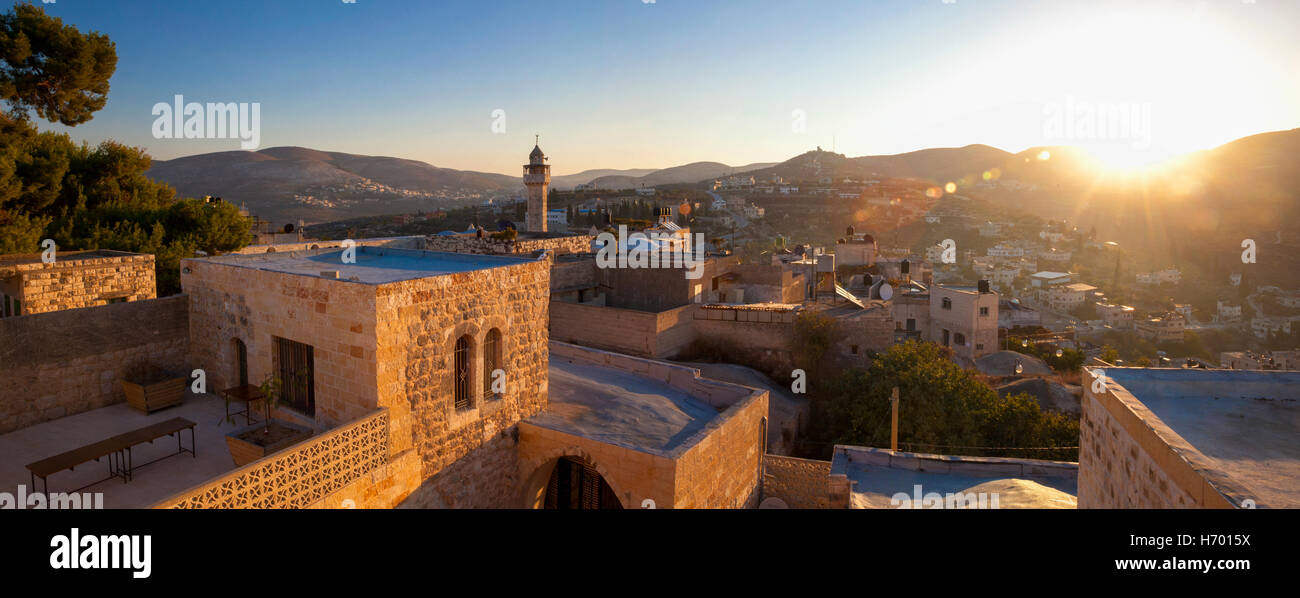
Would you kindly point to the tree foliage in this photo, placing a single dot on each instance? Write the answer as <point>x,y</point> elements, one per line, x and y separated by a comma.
<point>941,406</point>
<point>53,69</point>
<point>86,197</point>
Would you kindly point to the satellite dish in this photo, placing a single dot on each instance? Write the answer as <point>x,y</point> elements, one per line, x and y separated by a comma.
<point>886,292</point>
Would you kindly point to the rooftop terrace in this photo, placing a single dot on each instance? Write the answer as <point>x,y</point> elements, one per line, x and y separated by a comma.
<point>620,407</point>
<point>1244,426</point>
<point>151,483</point>
<point>373,265</point>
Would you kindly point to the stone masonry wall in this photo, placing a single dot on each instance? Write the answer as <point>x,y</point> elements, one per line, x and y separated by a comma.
<point>65,362</point>
<point>641,333</point>
<point>722,470</point>
<point>335,317</point>
<point>1124,464</point>
<point>522,246</point>
<point>94,279</point>
<point>419,322</point>
<point>801,483</point>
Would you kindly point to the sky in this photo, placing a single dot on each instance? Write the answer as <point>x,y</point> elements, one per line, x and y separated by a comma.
<point>641,84</point>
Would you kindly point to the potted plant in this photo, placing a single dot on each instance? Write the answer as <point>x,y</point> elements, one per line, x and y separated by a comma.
<point>150,388</point>
<point>258,440</point>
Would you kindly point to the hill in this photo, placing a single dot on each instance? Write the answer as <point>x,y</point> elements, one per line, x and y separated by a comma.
<point>284,184</point>
<point>686,173</point>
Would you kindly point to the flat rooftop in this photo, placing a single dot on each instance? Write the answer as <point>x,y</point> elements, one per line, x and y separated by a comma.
<point>877,475</point>
<point>1245,423</point>
<point>10,263</point>
<point>620,408</point>
<point>151,483</point>
<point>374,265</point>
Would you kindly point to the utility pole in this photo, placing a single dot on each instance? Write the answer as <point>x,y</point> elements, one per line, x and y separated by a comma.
<point>893,421</point>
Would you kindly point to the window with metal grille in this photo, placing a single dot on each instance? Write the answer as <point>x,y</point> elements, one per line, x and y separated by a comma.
<point>947,303</point>
<point>461,373</point>
<point>492,361</point>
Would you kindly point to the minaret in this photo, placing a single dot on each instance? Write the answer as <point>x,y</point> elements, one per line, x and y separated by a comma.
<point>537,176</point>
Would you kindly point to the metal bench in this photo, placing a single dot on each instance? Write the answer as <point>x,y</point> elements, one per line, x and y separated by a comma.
<point>117,449</point>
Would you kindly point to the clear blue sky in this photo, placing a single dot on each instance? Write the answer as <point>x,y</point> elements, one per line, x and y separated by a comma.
<point>628,84</point>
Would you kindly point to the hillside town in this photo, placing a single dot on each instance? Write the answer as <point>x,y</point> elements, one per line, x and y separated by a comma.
<point>611,361</point>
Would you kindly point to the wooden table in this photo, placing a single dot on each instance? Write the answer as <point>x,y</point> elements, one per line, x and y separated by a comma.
<point>245,394</point>
<point>117,449</point>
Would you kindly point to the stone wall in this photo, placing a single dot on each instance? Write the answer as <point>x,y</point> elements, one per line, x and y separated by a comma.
<point>65,362</point>
<point>485,478</point>
<point>411,242</point>
<point>722,468</point>
<point>1124,463</point>
<point>557,245</point>
<point>659,335</point>
<point>335,317</point>
<point>79,279</point>
<point>756,338</point>
<point>800,483</point>
<point>419,322</point>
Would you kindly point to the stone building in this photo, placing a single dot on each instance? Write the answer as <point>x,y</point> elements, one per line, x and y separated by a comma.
<point>418,333</point>
<point>1163,328</point>
<point>1189,438</point>
<point>1115,315</point>
<point>965,319</point>
<point>75,279</point>
<point>428,380</point>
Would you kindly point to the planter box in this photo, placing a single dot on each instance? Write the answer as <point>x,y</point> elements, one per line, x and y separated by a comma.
<point>246,444</point>
<point>154,393</point>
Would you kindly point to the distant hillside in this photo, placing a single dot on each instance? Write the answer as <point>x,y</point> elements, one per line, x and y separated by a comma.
<point>687,173</point>
<point>340,185</point>
<point>938,165</point>
<point>569,181</point>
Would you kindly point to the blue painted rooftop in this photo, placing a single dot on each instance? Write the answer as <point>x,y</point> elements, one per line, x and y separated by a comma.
<point>373,265</point>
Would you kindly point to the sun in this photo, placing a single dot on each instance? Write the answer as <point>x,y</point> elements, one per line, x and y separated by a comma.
<point>1120,158</point>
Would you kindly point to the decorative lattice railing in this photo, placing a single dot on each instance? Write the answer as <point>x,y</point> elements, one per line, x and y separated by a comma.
<point>299,476</point>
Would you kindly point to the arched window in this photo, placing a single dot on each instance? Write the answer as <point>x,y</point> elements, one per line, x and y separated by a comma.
<point>492,361</point>
<point>461,373</point>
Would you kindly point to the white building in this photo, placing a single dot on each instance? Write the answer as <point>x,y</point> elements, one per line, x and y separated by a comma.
<point>1048,278</point>
<point>1005,250</point>
<point>1227,312</point>
<point>1169,275</point>
<point>1263,327</point>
